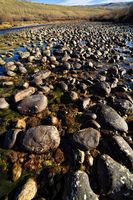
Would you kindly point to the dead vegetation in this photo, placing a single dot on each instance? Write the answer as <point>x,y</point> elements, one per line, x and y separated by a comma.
<point>123,15</point>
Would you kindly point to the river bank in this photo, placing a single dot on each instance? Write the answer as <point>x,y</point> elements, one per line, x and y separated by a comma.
<point>66,112</point>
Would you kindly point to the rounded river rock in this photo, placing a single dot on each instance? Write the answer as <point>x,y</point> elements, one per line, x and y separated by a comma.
<point>86,139</point>
<point>33,104</point>
<point>41,139</point>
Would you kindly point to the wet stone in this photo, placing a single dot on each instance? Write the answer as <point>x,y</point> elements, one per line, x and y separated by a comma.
<point>41,139</point>
<point>33,104</point>
<point>77,187</point>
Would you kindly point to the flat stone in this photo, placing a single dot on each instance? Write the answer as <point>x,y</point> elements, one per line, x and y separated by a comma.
<point>33,104</point>
<point>41,139</point>
<point>3,104</point>
<point>86,139</point>
<point>77,187</point>
<point>24,93</point>
<point>28,191</point>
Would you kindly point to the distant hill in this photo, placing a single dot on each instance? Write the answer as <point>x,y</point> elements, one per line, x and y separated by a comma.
<point>27,11</point>
<point>115,5</point>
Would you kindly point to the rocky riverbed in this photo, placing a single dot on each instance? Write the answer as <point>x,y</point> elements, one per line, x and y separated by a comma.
<point>66,113</point>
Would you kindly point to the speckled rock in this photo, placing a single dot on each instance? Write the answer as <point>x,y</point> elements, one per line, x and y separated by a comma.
<point>33,104</point>
<point>119,150</point>
<point>125,106</point>
<point>28,191</point>
<point>77,187</point>
<point>41,139</point>
<point>115,180</point>
<point>110,118</point>
<point>86,139</point>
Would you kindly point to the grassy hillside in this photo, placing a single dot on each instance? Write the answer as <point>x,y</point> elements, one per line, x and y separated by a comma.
<point>13,10</point>
<point>118,15</point>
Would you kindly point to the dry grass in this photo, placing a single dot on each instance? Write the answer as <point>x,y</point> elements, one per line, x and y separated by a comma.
<point>117,15</point>
<point>13,10</point>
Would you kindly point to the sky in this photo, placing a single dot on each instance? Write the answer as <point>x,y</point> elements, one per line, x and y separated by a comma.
<point>79,2</point>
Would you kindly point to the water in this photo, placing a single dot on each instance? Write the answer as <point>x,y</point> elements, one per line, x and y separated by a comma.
<point>11,30</point>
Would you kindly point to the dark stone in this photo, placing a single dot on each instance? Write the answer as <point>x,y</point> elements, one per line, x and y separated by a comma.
<point>86,139</point>
<point>110,118</point>
<point>115,180</point>
<point>124,106</point>
<point>77,187</point>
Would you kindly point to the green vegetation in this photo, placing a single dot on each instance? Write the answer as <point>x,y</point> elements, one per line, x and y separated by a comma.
<point>13,11</point>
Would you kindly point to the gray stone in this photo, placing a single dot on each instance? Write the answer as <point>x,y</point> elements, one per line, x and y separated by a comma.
<point>41,139</point>
<point>77,187</point>
<point>125,150</point>
<point>115,180</point>
<point>102,88</point>
<point>110,118</point>
<point>33,104</point>
<point>86,139</point>
<point>125,106</point>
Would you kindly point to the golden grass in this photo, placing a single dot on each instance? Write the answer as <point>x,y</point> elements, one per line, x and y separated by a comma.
<point>13,10</point>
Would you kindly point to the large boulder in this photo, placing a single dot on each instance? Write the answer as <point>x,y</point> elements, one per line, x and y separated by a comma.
<point>41,139</point>
<point>115,180</point>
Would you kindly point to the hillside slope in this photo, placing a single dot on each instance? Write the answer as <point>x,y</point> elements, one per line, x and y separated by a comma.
<point>13,10</point>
